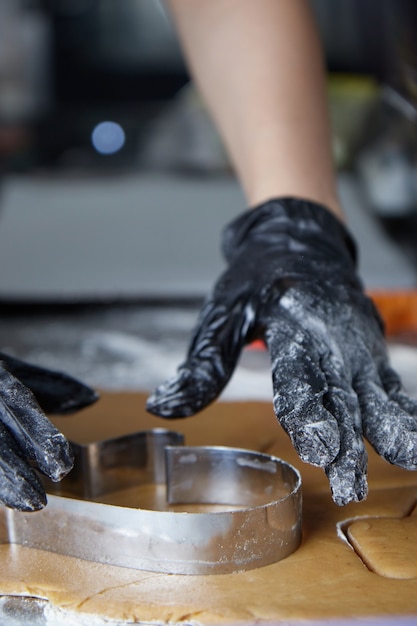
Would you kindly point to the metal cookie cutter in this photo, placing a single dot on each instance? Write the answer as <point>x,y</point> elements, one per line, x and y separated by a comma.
<point>261,524</point>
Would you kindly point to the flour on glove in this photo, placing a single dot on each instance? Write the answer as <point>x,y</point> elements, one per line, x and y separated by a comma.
<point>28,440</point>
<point>291,281</point>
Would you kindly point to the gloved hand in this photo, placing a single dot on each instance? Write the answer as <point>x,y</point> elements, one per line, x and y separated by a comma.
<point>291,280</point>
<point>27,437</point>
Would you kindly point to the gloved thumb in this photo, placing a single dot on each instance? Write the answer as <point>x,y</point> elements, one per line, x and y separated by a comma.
<point>55,392</point>
<point>220,335</point>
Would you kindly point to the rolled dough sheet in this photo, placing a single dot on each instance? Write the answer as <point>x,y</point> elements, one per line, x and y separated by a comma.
<point>324,578</point>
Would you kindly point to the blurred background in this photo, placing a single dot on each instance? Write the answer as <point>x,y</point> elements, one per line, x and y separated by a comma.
<point>114,185</point>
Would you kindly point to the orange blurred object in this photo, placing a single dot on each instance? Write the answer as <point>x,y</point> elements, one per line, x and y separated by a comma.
<point>399,312</point>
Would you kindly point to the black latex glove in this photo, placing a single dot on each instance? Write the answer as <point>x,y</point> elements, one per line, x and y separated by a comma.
<point>27,438</point>
<point>291,280</point>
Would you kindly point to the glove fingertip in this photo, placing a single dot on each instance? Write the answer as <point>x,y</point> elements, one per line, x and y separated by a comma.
<point>26,494</point>
<point>54,457</point>
<point>344,498</point>
<point>347,486</point>
<point>78,397</point>
<point>168,408</point>
<point>175,406</point>
<point>35,503</point>
<point>404,454</point>
<point>318,443</point>
<point>182,396</point>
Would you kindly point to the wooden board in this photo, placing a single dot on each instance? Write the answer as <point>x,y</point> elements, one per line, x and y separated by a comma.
<point>324,578</point>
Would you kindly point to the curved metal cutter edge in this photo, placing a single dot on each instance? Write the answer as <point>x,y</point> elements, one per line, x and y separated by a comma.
<point>262,526</point>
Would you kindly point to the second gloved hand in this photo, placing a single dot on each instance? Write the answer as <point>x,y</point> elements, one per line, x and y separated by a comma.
<point>291,280</point>
<point>27,438</point>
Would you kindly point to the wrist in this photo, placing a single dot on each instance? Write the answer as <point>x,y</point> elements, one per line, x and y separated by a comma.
<point>290,219</point>
<point>324,197</point>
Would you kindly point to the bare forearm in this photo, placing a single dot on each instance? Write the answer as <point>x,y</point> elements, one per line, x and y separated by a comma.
<point>259,66</point>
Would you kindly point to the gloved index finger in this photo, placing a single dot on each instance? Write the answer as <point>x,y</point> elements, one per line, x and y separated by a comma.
<point>20,486</point>
<point>347,474</point>
<point>299,386</point>
<point>36,436</point>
